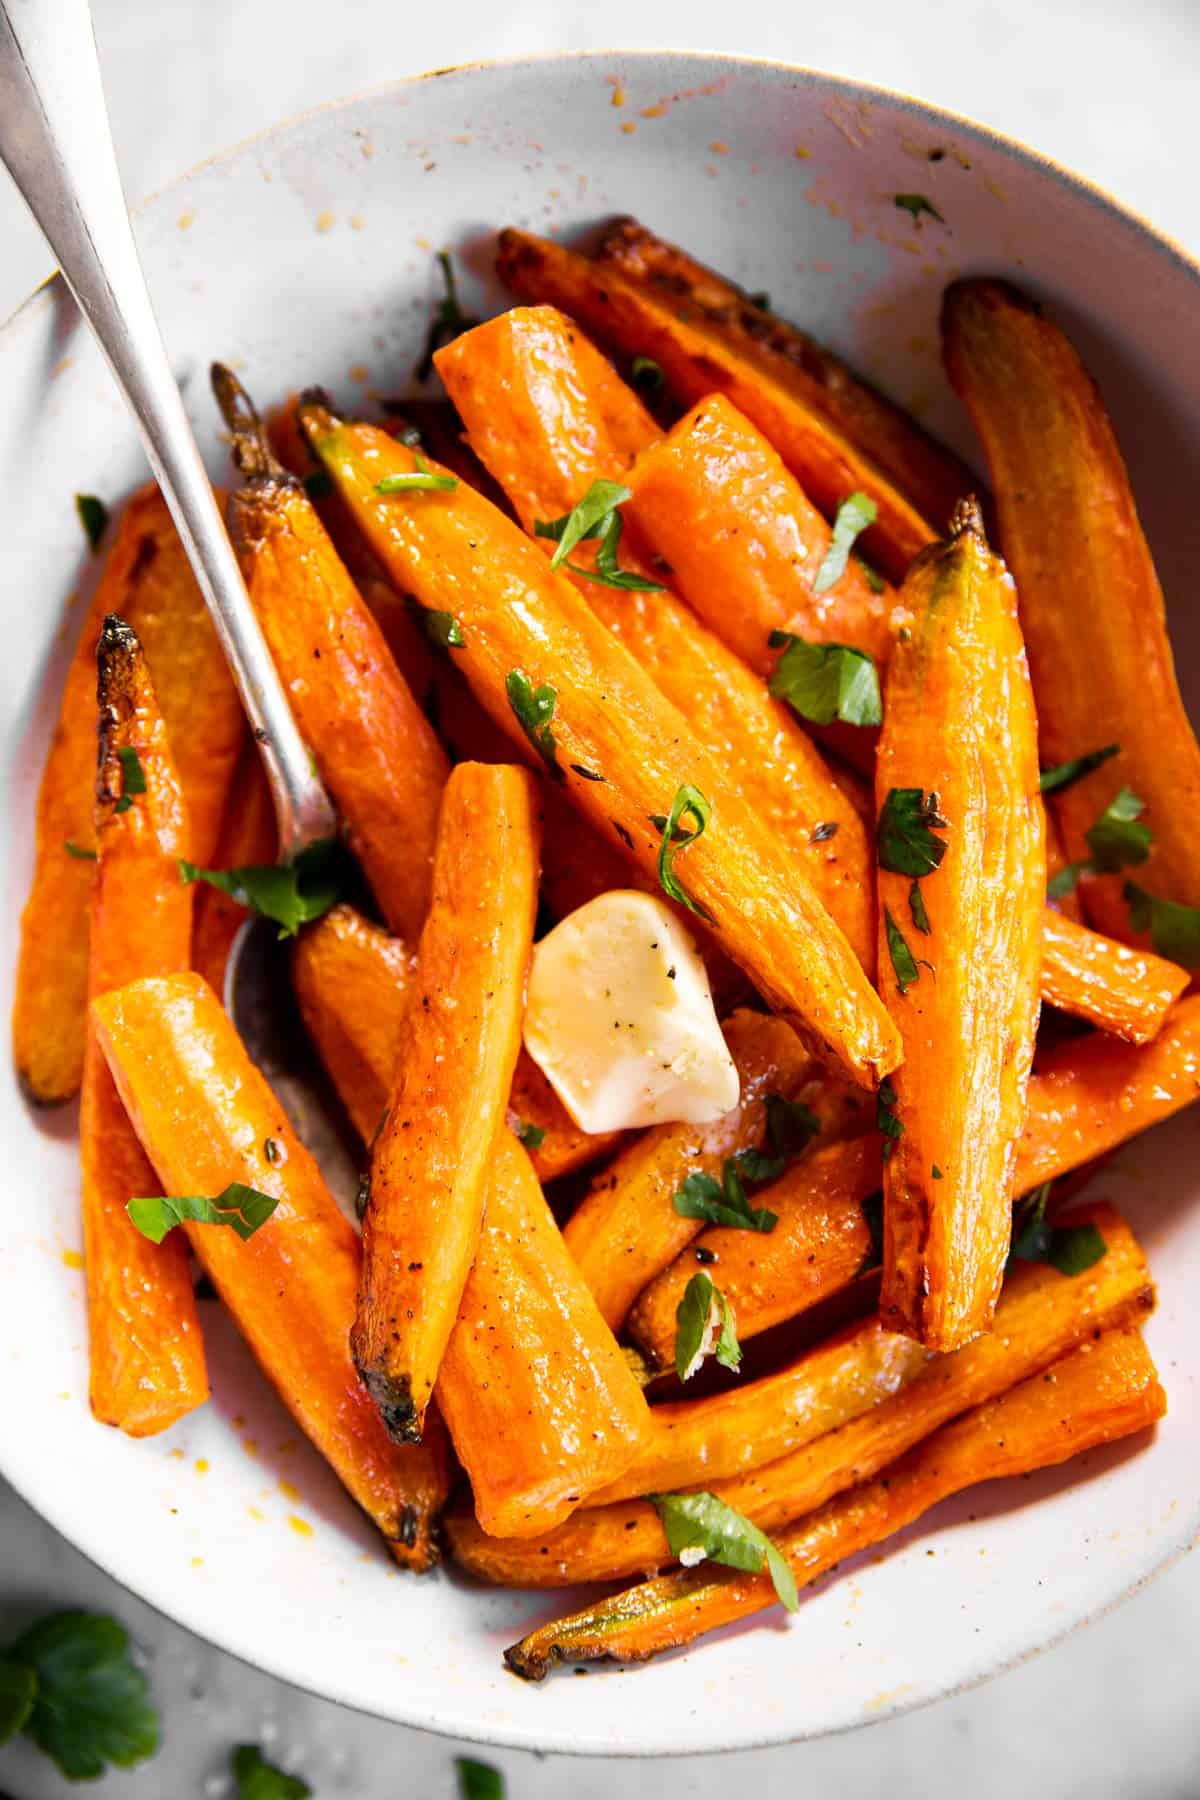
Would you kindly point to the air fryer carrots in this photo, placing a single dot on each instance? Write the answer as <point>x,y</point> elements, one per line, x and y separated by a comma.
<point>206,1117</point>
<point>145,1354</point>
<point>962,883</point>
<point>1091,606</point>
<point>429,1167</point>
<point>555,678</point>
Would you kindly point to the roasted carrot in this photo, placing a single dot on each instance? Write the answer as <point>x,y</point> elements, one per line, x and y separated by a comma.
<point>593,713</point>
<point>540,1402</point>
<point>931,476</point>
<point>147,581</point>
<point>1091,605</point>
<point>247,837</point>
<point>821,1241</point>
<point>377,752</point>
<point>429,1167</point>
<point>353,982</point>
<point>1042,1315</point>
<point>145,1353</point>
<point>625,1230</point>
<point>291,1286</point>
<point>532,393</point>
<point>698,359</point>
<point>1097,1394</point>
<point>1124,991</point>
<point>962,885</point>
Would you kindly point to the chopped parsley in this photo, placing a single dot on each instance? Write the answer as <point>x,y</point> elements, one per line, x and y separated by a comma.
<point>1068,1248</point>
<point>916,908</point>
<point>533,709</point>
<point>444,630</point>
<point>905,837</point>
<point>854,515</point>
<point>478,1781</point>
<point>704,1326</point>
<point>532,1136</point>
<point>872,1208</point>
<point>723,1202</point>
<point>596,516</point>
<point>1064,775</point>
<point>292,894</point>
<point>791,1126</point>
<point>78,851</point>
<point>70,1684</point>
<point>1118,840</point>
<point>688,800</point>
<point>240,1207</point>
<point>449,320</point>
<point>419,480</point>
<point>823,682</point>
<point>93,516</point>
<point>917,204</point>
<point>133,777</point>
<point>699,1526</point>
<point>887,1118</point>
<point>903,961</point>
<point>1174,928</point>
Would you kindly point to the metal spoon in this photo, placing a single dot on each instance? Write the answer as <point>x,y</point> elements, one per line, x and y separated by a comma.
<point>56,142</point>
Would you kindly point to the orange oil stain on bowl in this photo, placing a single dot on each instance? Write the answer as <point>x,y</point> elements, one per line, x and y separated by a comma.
<point>325,222</point>
<point>289,1490</point>
<point>186,220</point>
<point>300,1526</point>
<point>73,1259</point>
<point>201,1465</point>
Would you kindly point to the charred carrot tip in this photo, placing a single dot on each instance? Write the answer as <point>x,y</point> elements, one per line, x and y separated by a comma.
<point>968,517</point>
<point>250,446</point>
<point>318,416</point>
<point>392,1394</point>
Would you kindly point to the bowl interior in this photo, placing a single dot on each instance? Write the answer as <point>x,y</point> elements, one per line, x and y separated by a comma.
<point>307,255</point>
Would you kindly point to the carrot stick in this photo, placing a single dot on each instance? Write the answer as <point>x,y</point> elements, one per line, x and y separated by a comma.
<point>291,1286</point>
<point>429,1167</point>
<point>697,359</point>
<point>354,982</point>
<point>146,1356</point>
<point>525,628</point>
<point>540,1402</point>
<point>1042,1315</point>
<point>1098,1394</point>
<point>147,581</point>
<point>1091,605</point>
<point>960,824</point>
<point>247,837</point>
<point>928,474</point>
<point>1124,991</point>
<point>532,394</point>
<point>375,749</point>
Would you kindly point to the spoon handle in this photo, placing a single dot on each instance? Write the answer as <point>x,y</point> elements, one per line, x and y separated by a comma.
<point>56,143</point>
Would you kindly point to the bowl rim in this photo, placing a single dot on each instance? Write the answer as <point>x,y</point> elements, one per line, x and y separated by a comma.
<point>1172,1549</point>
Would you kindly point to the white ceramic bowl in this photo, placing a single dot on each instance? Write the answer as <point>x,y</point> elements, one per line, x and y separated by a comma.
<point>307,255</point>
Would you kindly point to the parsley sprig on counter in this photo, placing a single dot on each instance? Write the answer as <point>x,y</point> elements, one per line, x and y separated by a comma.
<point>69,1684</point>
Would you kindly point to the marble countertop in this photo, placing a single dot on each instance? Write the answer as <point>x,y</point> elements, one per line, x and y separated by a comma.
<point>1103,87</point>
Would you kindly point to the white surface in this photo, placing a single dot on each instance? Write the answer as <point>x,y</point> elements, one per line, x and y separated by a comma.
<point>1116,1740</point>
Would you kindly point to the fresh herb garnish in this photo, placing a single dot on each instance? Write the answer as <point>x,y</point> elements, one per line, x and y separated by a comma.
<point>872,577</point>
<point>478,1781</point>
<point>1064,775</point>
<point>133,777</point>
<point>596,516</point>
<point>240,1207</point>
<point>903,961</point>
<point>700,1525</point>
<point>647,375</point>
<point>78,851</point>
<point>872,1208</point>
<point>887,1118</point>
<point>1117,841</point>
<point>905,837</point>
<point>93,516</point>
<point>1174,928</point>
<point>69,1684</point>
<point>444,630</point>
<point>688,800</point>
<point>257,1779</point>
<point>916,204</point>
<point>916,908</point>
<point>292,893</point>
<point>853,517</point>
<point>532,1136</point>
<point>534,709</point>
<point>448,322</point>
<point>1068,1248</point>
<point>723,1202</point>
<point>420,480</point>
<point>704,1326</point>
<point>791,1126</point>
<point>823,682</point>
<point>935,1172</point>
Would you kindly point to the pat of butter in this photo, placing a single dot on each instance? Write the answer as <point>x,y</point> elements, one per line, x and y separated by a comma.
<point>620,1018</point>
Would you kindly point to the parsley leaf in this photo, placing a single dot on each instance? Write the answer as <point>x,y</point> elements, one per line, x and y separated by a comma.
<point>853,517</point>
<point>532,1136</point>
<point>449,321</point>
<point>133,777</point>
<point>887,1118</point>
<point>903,961</point>
<point>916,204</point>
<point>596,516</point>
<point>791,1126</point>
<point>90,1708</point>
<point>444,630</point>
<point>1068,1248</point>
<point>93,516</point>
<point>1117,841</point>
<point>1064,775</point>
<point>257,1779</point>
<point>646,374</point>
<point>823,682</point>
<point>700,1525</point>
<point>78,851</point>
<point>905,837</point>
<point>704,1326</point>
<point>534,709</point>
<point>675,838</point>
<point>1173,927</point>
<point>723,1202</point>
<point>419,480</point>
<point>872,1208</point>
<point>18,1691</point>
<point>290,893</point>
<point>916,907</point>
<point>242,1208</point>
<point>478,1781</point>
